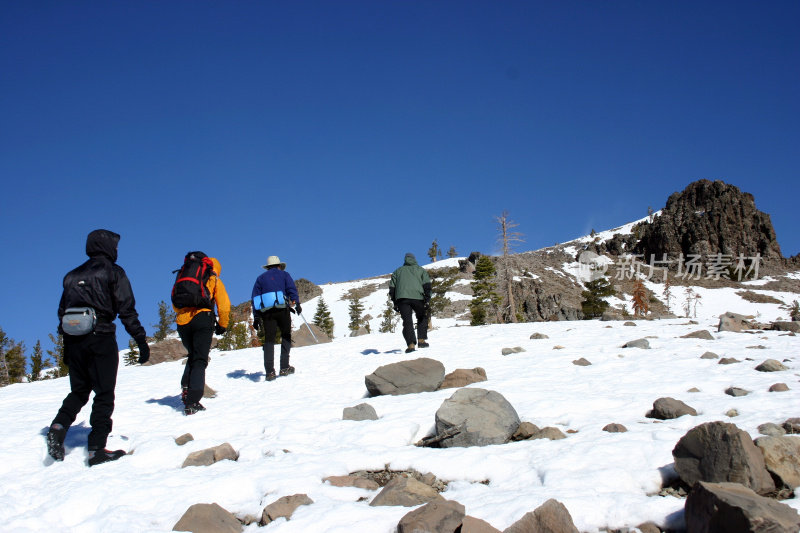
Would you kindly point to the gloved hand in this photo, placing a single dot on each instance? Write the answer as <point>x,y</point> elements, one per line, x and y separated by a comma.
<point>291,310</point>
<point>297,308</point>
<point>256,324</point>
<point>396,308</point>
<point>219,330</point>
<point>144,351</point>
<point>427,305</point>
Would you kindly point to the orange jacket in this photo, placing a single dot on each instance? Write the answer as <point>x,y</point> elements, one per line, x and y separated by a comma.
<point>218,293</point>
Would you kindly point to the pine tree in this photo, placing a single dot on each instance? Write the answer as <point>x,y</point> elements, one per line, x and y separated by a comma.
<point>5,344</point>
<point>323,319</point>
<point>484,295</point>
<point>355,309</point>
<point>434,252</point>
<point>166,316</point>
<point>15,362</point>
<point>507,239</point>
<point>451,253</point>
<point>37,363</point>
<point>57,354</point>
<point>132,355</point>
<point>667,292</point>
<point>236,337</point>
<point>593,304</point>
<point>687,304</point>
<point>640,304</point>
<point>442,280</point>
<point>389,322</point>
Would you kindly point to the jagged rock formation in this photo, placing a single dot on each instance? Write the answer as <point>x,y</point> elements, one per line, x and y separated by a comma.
<point>708,218</point>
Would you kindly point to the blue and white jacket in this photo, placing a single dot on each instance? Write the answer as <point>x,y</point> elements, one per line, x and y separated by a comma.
<point>274,285</point>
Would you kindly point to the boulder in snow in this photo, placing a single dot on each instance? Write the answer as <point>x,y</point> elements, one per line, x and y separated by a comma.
<point>284,507</point>
<point>207,518</point>
<point>360,412</point>
<point>405,491</point>
<point>782,457</point>
<point>771,365</point>
<point>478,417</point>
<point>733,507</point>
<point>670,408</point>
<point>550,517</point>
<point>461,377</point>
<point>443,516</point>
<point>406,377</point>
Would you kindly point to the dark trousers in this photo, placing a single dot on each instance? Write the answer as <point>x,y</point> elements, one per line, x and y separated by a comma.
<point>408,307</point>
<point>93,361</point>
<point>272,321</point>
<point>196,338</point>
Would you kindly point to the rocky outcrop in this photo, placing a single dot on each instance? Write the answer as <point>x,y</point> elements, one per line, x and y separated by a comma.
<point>725,507</point>
<point>303,337</point>
<point>307,290</point>
<point>406,377</point>
<point>166,350</point>
<point>708,218</point>
<point>718,452</point>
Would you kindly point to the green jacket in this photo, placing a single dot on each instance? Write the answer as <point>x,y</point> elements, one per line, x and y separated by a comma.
<point>410,281</point>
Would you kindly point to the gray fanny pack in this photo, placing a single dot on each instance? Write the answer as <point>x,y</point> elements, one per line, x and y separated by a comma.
<point>78,321</point>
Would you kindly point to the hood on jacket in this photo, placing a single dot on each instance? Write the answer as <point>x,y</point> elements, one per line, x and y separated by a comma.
<point>102,242</point>
<point>410,259</point>
<point>217,267</point>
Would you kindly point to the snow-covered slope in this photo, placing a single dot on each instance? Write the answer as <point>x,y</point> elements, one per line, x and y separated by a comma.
<point>289,433</point>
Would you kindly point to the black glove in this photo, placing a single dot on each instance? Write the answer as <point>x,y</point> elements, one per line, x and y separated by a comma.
<point>396,308</point>
<point>291,310</point>
<point>427,305</point>
<point>297,308</point>
<point>219,330</point>
<point>256,324</point>
<point>144,352</point>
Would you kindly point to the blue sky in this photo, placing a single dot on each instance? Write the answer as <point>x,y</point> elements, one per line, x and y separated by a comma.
<point>340,135</point>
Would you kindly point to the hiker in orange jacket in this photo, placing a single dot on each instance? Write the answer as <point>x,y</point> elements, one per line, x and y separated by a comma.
<point>196,327</point>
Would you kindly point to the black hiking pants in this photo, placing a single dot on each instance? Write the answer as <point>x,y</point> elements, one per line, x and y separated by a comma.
<point>272,321</point>
<point>408,307</point>
<point>196,338</point>
<point>93,361</point>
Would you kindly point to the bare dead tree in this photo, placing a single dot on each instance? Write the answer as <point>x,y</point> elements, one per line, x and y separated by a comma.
<point>508,238</point>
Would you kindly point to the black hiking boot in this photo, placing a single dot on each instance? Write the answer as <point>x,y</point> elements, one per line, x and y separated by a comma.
<point>192,408</point>
<point>410,348</point>
<point>286,371</point>
<point>270,376</point>
<point>97,457</point>
<point>55,442</point>
<point>423,344</point>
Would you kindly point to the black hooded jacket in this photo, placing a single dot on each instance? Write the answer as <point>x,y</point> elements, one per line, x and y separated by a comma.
<point>103,285</point>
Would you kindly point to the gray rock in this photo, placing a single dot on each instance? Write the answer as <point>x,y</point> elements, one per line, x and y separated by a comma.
<point>209,456</point>
<point>730,507</point>
<point>549,433</point>
<point>550,517</point>
<point>736,391</point>
<point>406,492</point>
<point>732,413</point>
<point>779,387</point>
<point>719,452</point>
<point>183,439</point>
<point>581,362</point>
<point>629,323</point>
<point>537,336</point>
<point>782,457</point>
<point>700,334</point>
<point>360,332</point>
<point>728,361</point>
<point>792,425</point>
<point>525,431</point>
<point>167,350</point>
<point>406,377</point>
<point>771,430</point>
<point>207,518</point>
<point>709,355</point>
<point>360,412</point>
<point>352,481</point>
<point>733,322</point>
<point>693,389</point>
<point>771,365</point>
<point>509,351</point>
<point>302,336</point>
<point>669,408</point>
<point>284,508</point>
<point>638,343</point>
<point>615,428</point>
<point>786,326</point>
<point>470,524</point>
<point>648,527</point>
<point>435,517</point>
<point>461,377</point>
<point>483,417</point>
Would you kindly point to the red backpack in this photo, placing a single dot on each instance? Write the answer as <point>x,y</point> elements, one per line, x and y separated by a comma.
<point>190,288</point>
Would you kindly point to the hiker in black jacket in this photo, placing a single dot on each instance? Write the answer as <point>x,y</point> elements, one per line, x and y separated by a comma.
<point>98,286</point>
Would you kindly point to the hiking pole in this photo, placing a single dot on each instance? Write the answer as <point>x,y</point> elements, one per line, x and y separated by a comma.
<point>309,328</point>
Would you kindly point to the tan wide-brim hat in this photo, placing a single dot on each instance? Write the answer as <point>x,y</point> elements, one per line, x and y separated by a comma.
<point>274,260</point>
